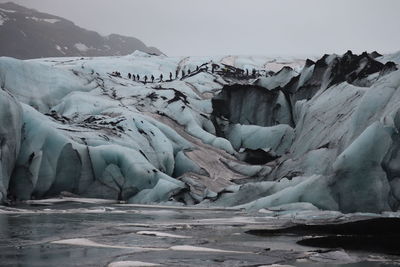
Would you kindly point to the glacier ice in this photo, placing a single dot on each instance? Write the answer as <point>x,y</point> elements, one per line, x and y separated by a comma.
<point>321,136</point>
<point>10,138</point>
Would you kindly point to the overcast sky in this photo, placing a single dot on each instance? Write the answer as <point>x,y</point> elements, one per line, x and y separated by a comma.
<point>245,27</point>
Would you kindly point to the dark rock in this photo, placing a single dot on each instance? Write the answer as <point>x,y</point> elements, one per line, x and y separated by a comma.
<point>332,69</point>
<point>374,54</point>
<point>257,156</point>
<point>250,105</point>
<point>389,67</point>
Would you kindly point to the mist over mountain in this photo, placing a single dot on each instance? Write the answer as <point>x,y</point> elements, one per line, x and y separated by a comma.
<point>27,33</point>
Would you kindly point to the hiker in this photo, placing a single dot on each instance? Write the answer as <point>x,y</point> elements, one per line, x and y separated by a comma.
<point>134,77</point>
<point>129,75</point>
<point>183,73</point>
<point>152,78</point>
<point>197,68</point>
<point>138,77</point>
<point>170,76</point>
<point>161,77</point>
<point>145,79</point>
<point>176,74</point>
<point>253,73</point>
<point>188,71</point>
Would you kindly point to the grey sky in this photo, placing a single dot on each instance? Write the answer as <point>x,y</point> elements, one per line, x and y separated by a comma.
<point>251,27</point>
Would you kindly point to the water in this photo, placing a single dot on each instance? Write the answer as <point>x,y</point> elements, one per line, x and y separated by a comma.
<point>75,234</point>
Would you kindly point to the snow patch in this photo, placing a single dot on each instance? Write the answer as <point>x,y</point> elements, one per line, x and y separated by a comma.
<point>60,49</point>
<point>7,10</point>
<point>3,18</point>
<point>43,20</point>
<point>50,201</point>
<point>81,47</point>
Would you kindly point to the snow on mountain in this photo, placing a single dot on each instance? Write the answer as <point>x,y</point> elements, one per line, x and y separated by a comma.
<point>26,33</point>
<point>43,20</point>
<point>3,19</point>
<point>326,133</point>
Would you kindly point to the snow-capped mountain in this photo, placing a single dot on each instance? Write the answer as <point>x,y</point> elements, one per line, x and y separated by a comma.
<point>26,33</point>
<point>212,131</point>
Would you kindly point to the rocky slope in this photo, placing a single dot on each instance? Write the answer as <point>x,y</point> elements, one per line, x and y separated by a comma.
<point>324,135</point>
<point>26,33</point>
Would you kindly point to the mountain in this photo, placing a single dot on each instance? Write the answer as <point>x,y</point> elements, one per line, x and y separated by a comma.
<point>26,33</point>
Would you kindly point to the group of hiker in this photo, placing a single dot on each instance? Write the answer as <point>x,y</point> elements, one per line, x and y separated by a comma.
<point>145,78</point>
<point>232,71</point>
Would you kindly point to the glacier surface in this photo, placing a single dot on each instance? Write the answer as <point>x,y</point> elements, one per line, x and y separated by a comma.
<point>314,135</point>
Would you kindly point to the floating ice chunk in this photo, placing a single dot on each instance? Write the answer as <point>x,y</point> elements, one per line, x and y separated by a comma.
<point>131,264</point>
<point>203,249</point>
<point>294,207</point>
<point>51,201</point>
<point>161,234</point>
<point>89,243</point>
<point>336,257</point>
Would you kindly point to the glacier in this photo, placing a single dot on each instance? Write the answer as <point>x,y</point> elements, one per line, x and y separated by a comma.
<point>320,134</point>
